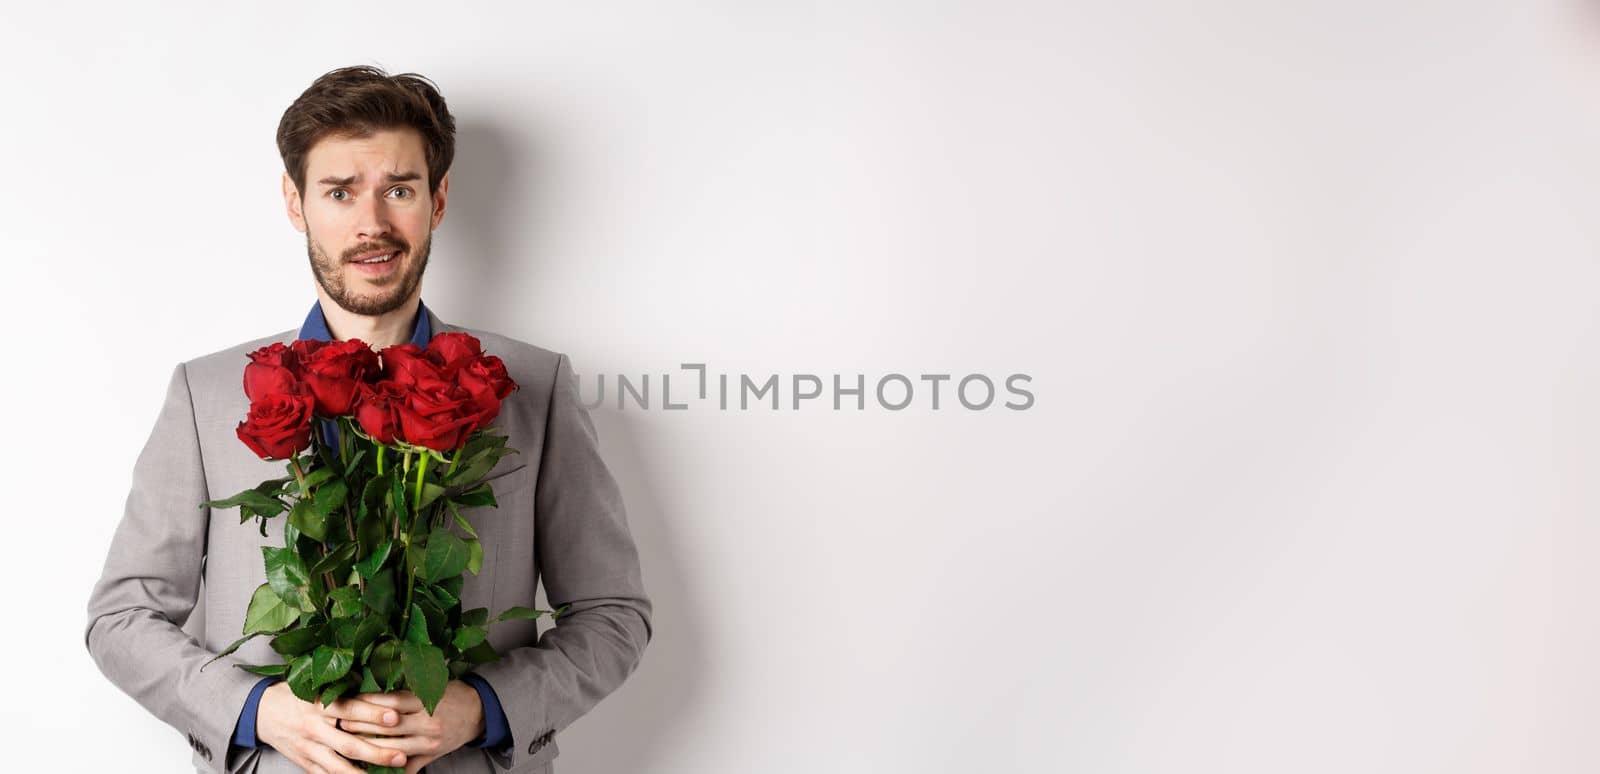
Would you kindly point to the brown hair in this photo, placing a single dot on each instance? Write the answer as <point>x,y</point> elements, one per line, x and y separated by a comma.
<point>355,102</point>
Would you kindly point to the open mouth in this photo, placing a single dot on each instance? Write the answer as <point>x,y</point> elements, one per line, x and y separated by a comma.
<point>380,258</point>
<point>377,266</point>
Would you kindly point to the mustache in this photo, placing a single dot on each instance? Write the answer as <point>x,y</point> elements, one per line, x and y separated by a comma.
<point>351,254</point>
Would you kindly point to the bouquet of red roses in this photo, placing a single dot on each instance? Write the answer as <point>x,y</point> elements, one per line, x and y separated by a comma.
<point>365,595</point>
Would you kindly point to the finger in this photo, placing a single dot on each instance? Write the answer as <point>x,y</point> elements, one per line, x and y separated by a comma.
<point>355,748</point>
<point>400,728</point>
<point>413,745</point>
<point>403,701</point>
<point>357,709</point>
<point>328,761</point>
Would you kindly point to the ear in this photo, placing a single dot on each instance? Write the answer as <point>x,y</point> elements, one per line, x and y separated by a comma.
<point>439,197</point>
<point>292,203</point>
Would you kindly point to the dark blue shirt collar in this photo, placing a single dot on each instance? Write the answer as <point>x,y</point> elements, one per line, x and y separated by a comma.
<point>316,325</point>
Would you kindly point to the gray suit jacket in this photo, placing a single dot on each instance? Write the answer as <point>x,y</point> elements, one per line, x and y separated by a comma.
<point>178,577</point>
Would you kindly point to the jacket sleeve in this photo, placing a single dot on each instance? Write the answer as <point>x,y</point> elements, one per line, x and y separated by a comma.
<point>588,561</point>
<point>149,586</point>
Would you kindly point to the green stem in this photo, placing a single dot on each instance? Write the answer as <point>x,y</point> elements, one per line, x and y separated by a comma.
<point>299,475</point>
<point>422,470</point>
<point>416,515</point>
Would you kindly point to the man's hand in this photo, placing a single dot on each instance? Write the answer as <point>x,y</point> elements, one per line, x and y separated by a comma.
<point>422,737</point>
<point>303,731</point>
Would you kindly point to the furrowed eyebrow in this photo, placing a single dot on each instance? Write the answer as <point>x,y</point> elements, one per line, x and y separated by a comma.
<point>391,177</point>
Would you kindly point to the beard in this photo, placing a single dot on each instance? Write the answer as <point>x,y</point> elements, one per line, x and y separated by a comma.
<point>330,275</point>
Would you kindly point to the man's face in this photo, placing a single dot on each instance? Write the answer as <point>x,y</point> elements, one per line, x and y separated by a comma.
<point>367,197</point>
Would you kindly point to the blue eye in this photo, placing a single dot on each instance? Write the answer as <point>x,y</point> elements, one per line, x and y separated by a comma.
<point>402,189</point>
<point>337,191</point>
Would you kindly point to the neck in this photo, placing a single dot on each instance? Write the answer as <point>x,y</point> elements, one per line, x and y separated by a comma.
<point>377,331</point>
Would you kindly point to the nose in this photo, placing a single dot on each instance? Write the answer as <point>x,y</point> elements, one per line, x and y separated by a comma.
<point>372,215</point>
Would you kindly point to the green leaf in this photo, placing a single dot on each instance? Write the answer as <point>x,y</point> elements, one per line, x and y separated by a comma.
<point>274,487</point>
<point>267,612</point>
<point>452,585</point>
<point>474,556</point>
<point>482,653</point>
<point>372,493</point>
<point>287,575</point>
<point>468,636</point>
<point>430,492</point>
<point>520,613</point>
<point>447,555</point>
<point>435,620</point>
<point>330,496</point>
<point>266,670</point>
<point>380,594</point>
<point>302,678</point>
<point>230,649</point>
<point>297,641</point>
<point>417,627</point>
<point>477,616</point>
<point>370,629</point>
<point>346,600</point>
<point>335,559</point>
<point>369,682</point>
<point>474,468</point>
<point>309,521</point>
<point>371,531</point>
<point>416,554</point>
<point>462,520</point>
<point>337,689</point>
<point>344,632</point>
<point>318,476</point>
<point>440,596</point>
<point>330,664</point>
<point>369,566</point>
<point>354,464</point>
<point>426,674</point>
<point>256,501</point>
<point>477,497</point>
<point>385,663</point>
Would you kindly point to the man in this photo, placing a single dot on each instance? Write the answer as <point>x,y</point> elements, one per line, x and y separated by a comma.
<point>366,157</point>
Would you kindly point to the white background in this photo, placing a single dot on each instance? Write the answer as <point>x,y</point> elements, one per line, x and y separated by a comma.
<point>1307,292</point>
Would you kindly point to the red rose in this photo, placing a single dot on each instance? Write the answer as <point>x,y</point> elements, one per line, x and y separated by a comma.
<point>279,424</point>
<point>302,349</point>
<point>407,364</point>
<point>375,409</point>
<point>452,351</point>
<point>437,414</point>
<point>486,380</point>
<point>333,370</point>
<point>271,369</point>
